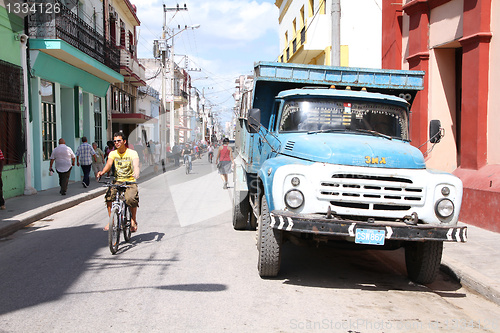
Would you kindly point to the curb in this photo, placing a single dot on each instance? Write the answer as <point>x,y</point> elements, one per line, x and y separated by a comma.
<point>22,220</point>
<point>471,279</point>
<point>15,223</point>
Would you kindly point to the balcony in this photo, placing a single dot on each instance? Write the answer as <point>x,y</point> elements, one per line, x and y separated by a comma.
<point>67,26</point>
<point>131,69</point>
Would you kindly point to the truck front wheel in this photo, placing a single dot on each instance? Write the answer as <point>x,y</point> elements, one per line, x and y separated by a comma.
<point>423,260</point>
<point>241,210</point>
<point>269,244</point>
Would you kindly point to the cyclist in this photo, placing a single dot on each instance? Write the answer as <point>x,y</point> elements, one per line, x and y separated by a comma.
<point>126,162</point>
<point>186,152</point>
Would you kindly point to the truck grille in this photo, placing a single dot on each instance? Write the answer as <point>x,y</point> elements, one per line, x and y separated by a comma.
<point>371,192</point>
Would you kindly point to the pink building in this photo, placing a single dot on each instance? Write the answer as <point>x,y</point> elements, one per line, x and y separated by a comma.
<point>453,41</point>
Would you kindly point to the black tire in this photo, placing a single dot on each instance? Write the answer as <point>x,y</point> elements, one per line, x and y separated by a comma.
<point>114,231</point>
<point>127,224</point>
<point>241,210</point>
<point>253,221</point>
<point>423,260</point>
<point>268,244</point>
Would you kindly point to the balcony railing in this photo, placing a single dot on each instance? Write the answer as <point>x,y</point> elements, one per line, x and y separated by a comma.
<point>128,60</point>
<point>67,26</point>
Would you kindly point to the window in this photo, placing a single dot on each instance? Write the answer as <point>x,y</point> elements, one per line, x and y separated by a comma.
<point>49,135</point>
<point>98,121</point>
<point>322,7</point>
<point>122,34</point>
<point>335,115</point>
<point>11,125</point>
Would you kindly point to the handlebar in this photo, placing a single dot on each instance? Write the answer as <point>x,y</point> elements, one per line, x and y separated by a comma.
<point>122,185</point>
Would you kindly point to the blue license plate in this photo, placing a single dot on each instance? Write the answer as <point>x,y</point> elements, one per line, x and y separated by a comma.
<point>370,236</point>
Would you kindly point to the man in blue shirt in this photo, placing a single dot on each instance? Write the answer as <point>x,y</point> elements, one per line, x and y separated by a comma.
<point>84,155</point>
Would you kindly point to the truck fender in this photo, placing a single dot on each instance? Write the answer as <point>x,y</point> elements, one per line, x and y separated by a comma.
<point>266,181</point>
<point>239,177</point>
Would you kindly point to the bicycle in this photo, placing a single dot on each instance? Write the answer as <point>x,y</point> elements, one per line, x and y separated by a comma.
<point>188,164</point>
<point>120,217</point>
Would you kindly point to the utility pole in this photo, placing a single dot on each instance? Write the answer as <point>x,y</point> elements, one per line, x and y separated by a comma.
<point>335,18</point>
<point>171,71</point>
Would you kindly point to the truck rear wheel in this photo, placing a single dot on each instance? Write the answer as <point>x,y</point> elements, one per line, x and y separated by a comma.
<point>241,210</point>
<point>269,244</point>
<point>423,260</point>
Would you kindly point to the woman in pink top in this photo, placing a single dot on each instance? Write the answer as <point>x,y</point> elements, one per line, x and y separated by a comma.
<point>224,161</point>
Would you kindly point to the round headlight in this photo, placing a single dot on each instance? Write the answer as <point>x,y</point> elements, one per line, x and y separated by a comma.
<point>294,199</point>
<point>445,208</point>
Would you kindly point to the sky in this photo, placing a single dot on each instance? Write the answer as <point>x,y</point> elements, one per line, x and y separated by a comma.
<point>233,34</point>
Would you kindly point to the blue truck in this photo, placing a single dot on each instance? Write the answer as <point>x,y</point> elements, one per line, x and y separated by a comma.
<point>324,155</point>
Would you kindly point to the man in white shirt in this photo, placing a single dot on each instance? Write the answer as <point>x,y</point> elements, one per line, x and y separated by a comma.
<point>65,160</point>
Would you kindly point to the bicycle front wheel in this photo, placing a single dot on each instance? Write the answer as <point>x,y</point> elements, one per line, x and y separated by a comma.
<point>114,231</point>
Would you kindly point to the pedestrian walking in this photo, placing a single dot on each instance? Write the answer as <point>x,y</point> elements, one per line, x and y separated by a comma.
<point>110,146</point>
<point>2,200</point>
<point>176,151</point>
<point>85,154</point>
<point>224,161</point>
<point>98,163</point>
<point>65,160</point>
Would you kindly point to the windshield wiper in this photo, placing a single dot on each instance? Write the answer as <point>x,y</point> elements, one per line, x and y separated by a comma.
<point>372,132</point>
<point>327,130</point>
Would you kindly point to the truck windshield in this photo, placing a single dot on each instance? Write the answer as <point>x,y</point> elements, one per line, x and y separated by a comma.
<point>313,115</point>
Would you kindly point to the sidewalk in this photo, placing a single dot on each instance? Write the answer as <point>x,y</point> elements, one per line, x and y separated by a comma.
<point>476,264</point>
<point>24,210</point>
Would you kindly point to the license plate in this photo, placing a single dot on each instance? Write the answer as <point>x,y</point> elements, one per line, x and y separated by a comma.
<point>370,236</point>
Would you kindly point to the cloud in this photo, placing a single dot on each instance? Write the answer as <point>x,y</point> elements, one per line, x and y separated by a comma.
<point>233,34</point>
<point>237,20</point>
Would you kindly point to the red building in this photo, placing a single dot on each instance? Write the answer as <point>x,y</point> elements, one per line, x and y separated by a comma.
<point>453,42</point>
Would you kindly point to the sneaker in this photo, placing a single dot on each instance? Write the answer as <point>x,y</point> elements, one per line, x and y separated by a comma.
<point>225,186</point>
<point>85,185</point>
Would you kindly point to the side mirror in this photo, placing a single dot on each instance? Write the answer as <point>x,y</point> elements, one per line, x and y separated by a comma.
<point>253,124</point>
<point>435,131</point>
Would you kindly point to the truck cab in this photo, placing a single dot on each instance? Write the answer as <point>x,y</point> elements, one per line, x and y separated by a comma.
<point>324,154</point>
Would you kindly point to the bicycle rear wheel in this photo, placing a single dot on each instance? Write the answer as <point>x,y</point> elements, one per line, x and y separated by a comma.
<point>114,231</point>
<point>126,224</point>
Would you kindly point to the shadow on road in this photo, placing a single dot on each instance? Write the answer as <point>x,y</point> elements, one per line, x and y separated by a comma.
<point>36,275</point>
<point>370,270</point>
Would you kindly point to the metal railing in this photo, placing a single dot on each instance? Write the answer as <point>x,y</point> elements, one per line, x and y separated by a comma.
<point>67,26</point>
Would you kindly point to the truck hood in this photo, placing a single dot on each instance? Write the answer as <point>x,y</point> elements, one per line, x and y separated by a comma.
<point>352,149</point>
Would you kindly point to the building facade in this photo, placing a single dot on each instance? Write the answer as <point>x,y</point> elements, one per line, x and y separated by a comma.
<point>13,108</point>
<point>71,68</point>
<point>120,28</point>
<point>453,41</point>
<point>337,32</point>
<point>148,103</point>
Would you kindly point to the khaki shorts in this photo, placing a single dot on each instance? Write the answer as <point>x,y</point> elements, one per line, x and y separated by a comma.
<point>131,195</point>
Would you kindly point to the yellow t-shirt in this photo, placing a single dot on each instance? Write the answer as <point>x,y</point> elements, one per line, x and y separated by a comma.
<point>124,167</point>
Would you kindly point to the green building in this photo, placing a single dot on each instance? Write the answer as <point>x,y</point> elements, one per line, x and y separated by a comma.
<point>69,67</point>
<point>12,141</point>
